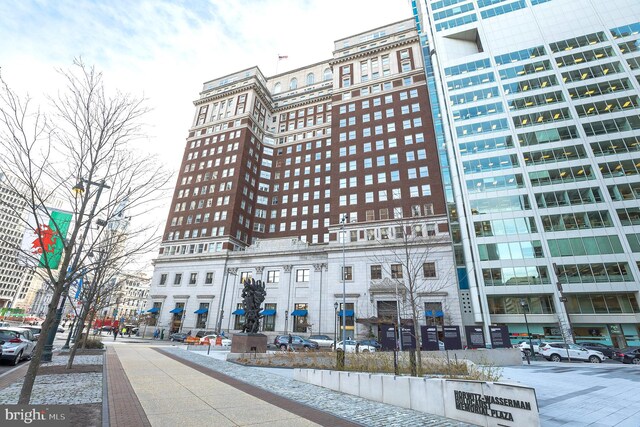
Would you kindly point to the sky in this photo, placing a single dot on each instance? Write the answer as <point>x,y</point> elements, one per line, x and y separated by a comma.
<point>165,50</point>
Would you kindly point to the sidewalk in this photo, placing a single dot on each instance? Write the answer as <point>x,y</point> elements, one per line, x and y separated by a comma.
<point>151,388</point>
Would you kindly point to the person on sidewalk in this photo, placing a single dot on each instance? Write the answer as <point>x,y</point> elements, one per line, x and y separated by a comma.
<point>289,343</point>
<point>115,333</point>
<point>156,334</point>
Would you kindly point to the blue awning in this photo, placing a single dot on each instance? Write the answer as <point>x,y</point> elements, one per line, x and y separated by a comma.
<point>349,313</point>
<point>153,310</point>
<point>300,313</point>
<point>177,310</point>
<point>201,311</point>
<point>429,313</point>
<point>239,312</point>
<point>268,312</point>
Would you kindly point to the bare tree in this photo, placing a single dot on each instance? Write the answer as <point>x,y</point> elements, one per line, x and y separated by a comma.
<point>409,252</point>
<point>88,138</point>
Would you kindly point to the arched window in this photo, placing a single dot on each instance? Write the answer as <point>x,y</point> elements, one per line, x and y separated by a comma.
<point>311,79</point>
<point>277,88</point>
<point>293,84</point>
<point>328,75</point>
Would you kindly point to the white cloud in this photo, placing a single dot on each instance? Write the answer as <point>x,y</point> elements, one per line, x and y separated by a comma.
<point>165,50</point>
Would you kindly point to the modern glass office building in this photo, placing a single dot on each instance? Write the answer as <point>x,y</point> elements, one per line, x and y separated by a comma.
<point>536,110</point>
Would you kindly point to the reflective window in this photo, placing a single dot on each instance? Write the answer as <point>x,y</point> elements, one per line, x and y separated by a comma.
<point>621,124</point>
<point>545,136</point>
<point>530,84</point>
<point>536,275</point>
<point>526,69</point>
<point>576,221</point>
<point>616,146</point>
<point>491,144</point>
<point>500,204</point>
<point>577,246</point>
<point>470,81</point>
<point>542,304</point>
<point>602,303</point>
<point>510,250</point>
<point>556,155</point>
<point>536,100</point>
<point>541,117</point>
<point>494,183</point>
<point>596,89</point>
<point>476,95</point>
<point>467,68</point>
<point>521,55</point>
<point>583,196</point>
<point>500,10</point>
<point>592,72</point>
<point>563,175</point>
<point>479,111</point>
<point>625,30</point>
<point>582,57</point>
<point>505,227</point>
<point>489,164</point>
<point>620,168</point>
<point>576,42</point>
<point>483,127</point>
<point>594,273</point>
<point>608,106</point>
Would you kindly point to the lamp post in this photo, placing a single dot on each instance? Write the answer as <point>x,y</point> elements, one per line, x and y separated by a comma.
<point>47,352</point>
<point>286,321</point>
<point>524,305</point>
<point>335,324</point>
<point>343,221</point>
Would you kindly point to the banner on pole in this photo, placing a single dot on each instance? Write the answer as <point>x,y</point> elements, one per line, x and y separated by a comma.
<point>43,240</point>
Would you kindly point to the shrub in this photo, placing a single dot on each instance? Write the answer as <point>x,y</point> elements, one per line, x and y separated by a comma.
<point>94,343</point>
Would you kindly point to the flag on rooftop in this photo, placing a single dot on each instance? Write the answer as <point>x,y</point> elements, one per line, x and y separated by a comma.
<point>283,56</point>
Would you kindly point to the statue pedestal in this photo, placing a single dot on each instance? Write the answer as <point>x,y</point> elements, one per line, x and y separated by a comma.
<point>249,343</point>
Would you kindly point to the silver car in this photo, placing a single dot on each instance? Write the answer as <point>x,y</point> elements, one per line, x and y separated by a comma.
<point>17,344</point>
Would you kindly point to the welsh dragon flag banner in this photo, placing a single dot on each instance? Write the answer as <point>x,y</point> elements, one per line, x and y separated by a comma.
<point>45,236</point>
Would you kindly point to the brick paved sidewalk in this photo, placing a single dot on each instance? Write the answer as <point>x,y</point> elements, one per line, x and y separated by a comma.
<point>124,409</point>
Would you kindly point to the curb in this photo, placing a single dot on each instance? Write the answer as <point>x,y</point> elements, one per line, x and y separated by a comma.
<point>105,392</point>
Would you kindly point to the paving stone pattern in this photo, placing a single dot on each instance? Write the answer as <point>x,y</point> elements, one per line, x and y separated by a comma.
<point>355,409</point>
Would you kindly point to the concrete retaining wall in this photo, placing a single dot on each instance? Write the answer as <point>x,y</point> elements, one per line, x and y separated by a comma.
<point>475,402</point>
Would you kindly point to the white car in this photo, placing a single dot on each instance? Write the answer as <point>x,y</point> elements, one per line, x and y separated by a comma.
<point>226,342</point>
<point>322,340</point>
<point>353,345</point>
<point>557,351</point>
<point>18,344</point>
<point>524,346</point>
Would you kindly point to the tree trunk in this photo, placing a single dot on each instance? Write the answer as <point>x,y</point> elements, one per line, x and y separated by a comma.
<point>91,318</point>
<point>76,342</point>
<point>34,364</point>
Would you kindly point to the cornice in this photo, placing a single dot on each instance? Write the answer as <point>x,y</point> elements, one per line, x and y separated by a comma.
<point>381,48</point>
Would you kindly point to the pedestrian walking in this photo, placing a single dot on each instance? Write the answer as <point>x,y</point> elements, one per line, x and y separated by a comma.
<point>156,334</point>
<point>289,343</point>
<point>115,333</point>
<point>124,331</point>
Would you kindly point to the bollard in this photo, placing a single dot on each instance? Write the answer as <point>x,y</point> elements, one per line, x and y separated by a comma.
<point>340,360</point>
<point>209,349</point>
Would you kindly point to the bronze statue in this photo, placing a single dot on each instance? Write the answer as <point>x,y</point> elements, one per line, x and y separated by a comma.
<point>253,295</point>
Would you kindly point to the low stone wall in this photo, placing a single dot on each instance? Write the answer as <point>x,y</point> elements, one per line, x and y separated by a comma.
<point>475,402</point>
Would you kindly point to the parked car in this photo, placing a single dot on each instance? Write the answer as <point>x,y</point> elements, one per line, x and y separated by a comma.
<point>524,346</point>
<point>5,325</point>
<point>322,340</point>
<point>226,342</point>
<point>298,343</point>
<point>203,333</point>
<point>607,350</point>
<point>18,344</point>
<point>35,330</point>
<point>353,345</point>
<point>628,355</point>
<point>372,343</point>
<point>178,336</point>
<point>132,328</point>
<point>557,351</point>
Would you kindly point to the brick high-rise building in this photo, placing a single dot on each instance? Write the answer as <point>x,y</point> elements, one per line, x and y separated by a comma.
<point>273,165</point>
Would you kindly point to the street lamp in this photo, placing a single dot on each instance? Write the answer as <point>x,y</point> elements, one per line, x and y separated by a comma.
<point>524,304</point>
<point>343,221</point>
<point>286,321</point>
<point>79,189</point>
<point>335,324</point>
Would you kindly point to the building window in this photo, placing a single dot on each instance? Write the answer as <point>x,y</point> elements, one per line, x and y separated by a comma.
<point>293,84</point>
<point>208,280</point>
<point>177,279</point>
<point>429,269</point>
<point>163,279</point>
<point>433,314</point>
<point>176,318</point>
<point>376,272</point>
<point>396,271</point>
<point>269,320</point>
<point>203,314</point>
<point>273,276</point>
<point>193,278</point>
<point>302,275</point>
<point>348,272</point>
<point>245,275</point>
<point>349,314</point>
<point>300,322</point>
<point>240,318</point>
